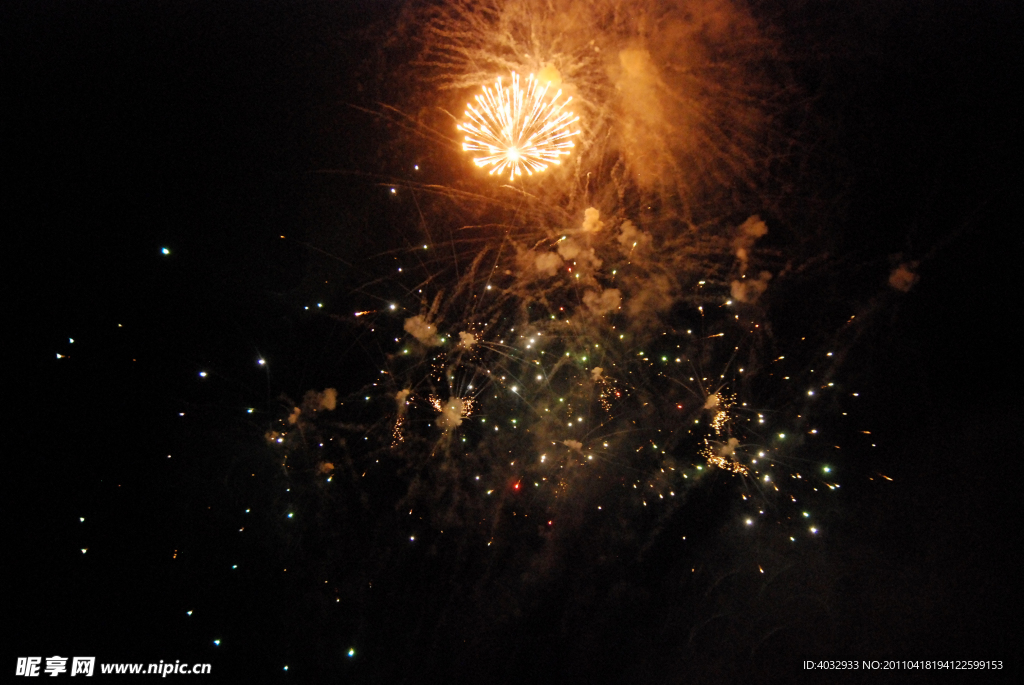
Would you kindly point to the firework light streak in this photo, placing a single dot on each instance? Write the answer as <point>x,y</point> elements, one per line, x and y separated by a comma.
<point>518,129</point>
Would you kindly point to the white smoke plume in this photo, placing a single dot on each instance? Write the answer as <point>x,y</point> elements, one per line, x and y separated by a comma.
<point>729,448</point>
<point>548,263</point>
<point>603,303</point>
<point>749,290</point>
<point>591,220</point>
<point>748,233</point>
<point>451,414</point>
<point>328,399</point>
<point>653,298</point>
<point>418,327</point>
<point>402,400</point>
<point>633,240</point>
<point>314,401</point>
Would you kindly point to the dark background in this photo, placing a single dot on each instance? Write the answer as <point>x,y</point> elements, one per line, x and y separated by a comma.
<point>197,126</point>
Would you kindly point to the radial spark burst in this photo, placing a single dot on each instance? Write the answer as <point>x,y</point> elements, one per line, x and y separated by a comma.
<point>518,129</point>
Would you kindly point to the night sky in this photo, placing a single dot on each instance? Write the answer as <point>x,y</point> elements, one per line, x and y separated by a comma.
<point>208,129</point>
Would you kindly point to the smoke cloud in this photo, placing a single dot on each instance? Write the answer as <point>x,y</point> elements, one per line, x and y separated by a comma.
<point>903,276</point>
<point>748,233</point>
<point>451,414</point>
<point>603,303</point>
<point>418,327</point>
<point>749,290</point>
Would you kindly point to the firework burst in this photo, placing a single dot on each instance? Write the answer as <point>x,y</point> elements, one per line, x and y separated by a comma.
<point>518,129</point>
<point>586,355</point>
